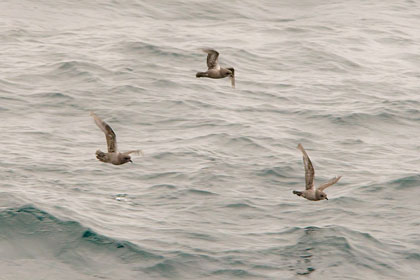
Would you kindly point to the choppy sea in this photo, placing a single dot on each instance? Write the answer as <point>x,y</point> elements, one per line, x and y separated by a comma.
<point>212,196</point>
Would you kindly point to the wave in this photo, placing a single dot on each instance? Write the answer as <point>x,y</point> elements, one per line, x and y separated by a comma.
<point>200,192</point>
<point>52,99</point>
<point>75,70</point>
<point>363,119</point>
<point>276,172</point>
<point>240,205</point>
<point>313,246</point>
<point>399,184</point>
<point>35,234</point>
<point>408,182</point>
<point>158,50</point>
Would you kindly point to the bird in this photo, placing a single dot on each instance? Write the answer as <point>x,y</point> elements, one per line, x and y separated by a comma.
<point>214,70</point>
<point>113,156</point>
<point>310,192</point>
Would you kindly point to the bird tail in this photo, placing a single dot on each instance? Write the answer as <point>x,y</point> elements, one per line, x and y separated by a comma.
<point>101,155</point>
<point>297,193</point>
<point>201,74</point>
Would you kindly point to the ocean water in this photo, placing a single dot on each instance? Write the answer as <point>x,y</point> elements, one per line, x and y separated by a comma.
<point>212,196</point>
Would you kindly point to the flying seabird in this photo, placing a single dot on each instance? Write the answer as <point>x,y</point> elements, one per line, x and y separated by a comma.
<point>310,192</point>
<point>215,71</point>
<point>113,156</point>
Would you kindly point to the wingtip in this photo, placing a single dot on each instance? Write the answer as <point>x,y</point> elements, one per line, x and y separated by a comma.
<point>137,152</point>
<point>208,50</point>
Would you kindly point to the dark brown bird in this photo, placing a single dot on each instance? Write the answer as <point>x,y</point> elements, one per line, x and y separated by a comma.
<point>214,70</point>
<point>310,192</point>
<point>113,156</point>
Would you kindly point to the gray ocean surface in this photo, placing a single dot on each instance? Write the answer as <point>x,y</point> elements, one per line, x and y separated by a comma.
<point>212,196</point>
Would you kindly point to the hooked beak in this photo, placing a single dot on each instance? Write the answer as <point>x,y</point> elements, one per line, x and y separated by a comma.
<point>130,160</point>
<point>326,198</point>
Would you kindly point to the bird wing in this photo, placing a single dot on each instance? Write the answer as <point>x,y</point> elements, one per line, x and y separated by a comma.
<point>329,183</point>
<point>309,169</point>
<point>232,77</point>
<point>212,59</point>
<point>137,152</point>
<point>111,138</point>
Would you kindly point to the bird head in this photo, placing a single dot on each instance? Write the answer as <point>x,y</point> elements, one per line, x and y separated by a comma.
<point>127,158</point>
<point>321,195</point>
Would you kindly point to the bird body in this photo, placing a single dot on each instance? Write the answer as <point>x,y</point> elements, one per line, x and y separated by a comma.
<point>214,70</point>
<point>113,156</point>
<point>310,192</point>
<point>214,74</point>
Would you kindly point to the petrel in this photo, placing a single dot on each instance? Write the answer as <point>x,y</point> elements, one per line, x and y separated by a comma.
<point>113,156</point>
<point>215,71</point>
<point>310,192</point>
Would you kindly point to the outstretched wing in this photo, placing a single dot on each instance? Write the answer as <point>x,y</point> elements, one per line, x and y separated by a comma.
<point>309,169</point>
<point>137,152</point>
<point>212,59</point>
<point>329,183</point>
<point>111,138</point>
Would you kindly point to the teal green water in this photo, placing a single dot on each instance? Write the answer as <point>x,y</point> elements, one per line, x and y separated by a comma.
<point>212,196</point>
